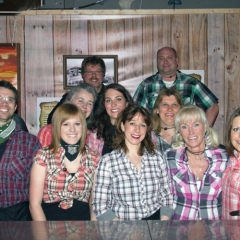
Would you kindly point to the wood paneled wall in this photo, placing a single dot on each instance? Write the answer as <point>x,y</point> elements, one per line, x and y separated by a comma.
<point>203,41</point>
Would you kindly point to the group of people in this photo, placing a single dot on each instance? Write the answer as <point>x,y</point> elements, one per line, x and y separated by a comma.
<point>106,155</point>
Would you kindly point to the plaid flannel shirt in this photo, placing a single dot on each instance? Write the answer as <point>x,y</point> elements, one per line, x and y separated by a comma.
<point>129,194</point>
<point>189,202</point>
<point>231,188</point>
<point>60,185</point>
<point>193,91</point>
<point>15,166</point>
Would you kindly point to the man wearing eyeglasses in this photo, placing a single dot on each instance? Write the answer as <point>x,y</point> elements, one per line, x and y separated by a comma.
<point>17,149</point>
<point>93,70</point>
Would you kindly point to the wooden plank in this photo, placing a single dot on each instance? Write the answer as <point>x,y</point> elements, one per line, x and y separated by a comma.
<point>132,11</point>
<point>115,43</point>
<point>79,35</point>
<point>97,36</point>
<point>62,46</point>
<point>180,39</point>
<point>133,53</point>
<point>232,63</point>
<point>38,64</point>
<point>3,29</point>
<point>216,67</point>
<point>198,43</point>
<point>161,36</point>
<point>148,51</point>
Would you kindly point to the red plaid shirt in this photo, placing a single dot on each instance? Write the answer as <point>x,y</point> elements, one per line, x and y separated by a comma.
<point>60,185</point>
<point>15,166</point>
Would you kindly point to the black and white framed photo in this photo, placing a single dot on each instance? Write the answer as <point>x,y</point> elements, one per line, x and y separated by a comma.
<point>72,74</point>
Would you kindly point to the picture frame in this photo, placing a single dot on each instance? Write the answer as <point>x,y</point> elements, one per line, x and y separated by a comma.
<point>72,69</point>
<point>10,65</point>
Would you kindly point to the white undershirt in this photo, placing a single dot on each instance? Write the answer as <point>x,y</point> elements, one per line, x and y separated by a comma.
<point>168,84</point>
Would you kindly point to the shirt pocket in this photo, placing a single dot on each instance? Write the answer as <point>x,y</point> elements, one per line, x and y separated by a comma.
<point>212,185</point>
<point>18,168</point>
<point>183,184</point>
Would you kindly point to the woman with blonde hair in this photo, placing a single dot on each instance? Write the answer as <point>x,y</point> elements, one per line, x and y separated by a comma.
<point>196,165</point>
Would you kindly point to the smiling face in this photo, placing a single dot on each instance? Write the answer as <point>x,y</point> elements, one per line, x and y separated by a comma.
<point>7,108</point>
<point>193,133</point>
<point>71,130</point>
<point>167,110</point>
<point>167,62</point>
<point>134,130</point>
<point>235,134</point>
<point>84,100</point>
<point>93,75</point>
<point>114,103</point>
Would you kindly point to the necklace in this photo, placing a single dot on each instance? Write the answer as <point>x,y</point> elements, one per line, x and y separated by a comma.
<point>198,173</point>
<point>198,154</point>
<point>166,128</point>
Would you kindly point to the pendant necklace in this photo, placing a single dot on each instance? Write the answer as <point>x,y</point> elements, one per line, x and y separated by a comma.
<point>166,128</point>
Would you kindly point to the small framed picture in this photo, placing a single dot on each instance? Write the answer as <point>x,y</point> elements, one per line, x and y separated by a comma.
<point>72,74</point>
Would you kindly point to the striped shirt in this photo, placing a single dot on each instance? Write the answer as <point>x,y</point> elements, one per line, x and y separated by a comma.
<point>189,202</point>
<point>121,191</point>
<point>193,91</point>
<point>60,185</point>
<point>231,188</point>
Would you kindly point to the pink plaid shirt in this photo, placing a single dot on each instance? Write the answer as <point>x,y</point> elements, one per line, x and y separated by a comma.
<point>45,135</point>
<point>94,143</point>
<point>231,188</point>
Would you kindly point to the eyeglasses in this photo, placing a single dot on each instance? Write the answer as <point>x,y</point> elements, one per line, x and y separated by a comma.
<point>93,72</point>
<point>7,99</point>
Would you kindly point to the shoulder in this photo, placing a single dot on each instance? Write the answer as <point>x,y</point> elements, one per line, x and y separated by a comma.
<point>189,79</point>
<point>149,80</point>
<point>92,153</point>
<point>112,157</point>
<point>20,134</point>
<point>217,153</point>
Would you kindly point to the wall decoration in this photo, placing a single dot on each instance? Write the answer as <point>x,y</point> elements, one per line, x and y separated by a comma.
<point>44,106</point>
<point>10,66</point>
<point>72,69</point>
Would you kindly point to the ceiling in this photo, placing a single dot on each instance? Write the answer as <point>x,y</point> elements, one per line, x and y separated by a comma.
<point>18,5</point>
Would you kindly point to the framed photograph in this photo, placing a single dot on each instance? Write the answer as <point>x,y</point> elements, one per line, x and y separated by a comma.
<point>10,66</point>
<point>72,74</point>
<point>10,63</point>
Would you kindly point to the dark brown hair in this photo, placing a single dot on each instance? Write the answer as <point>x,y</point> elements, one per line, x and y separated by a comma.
<point>126,116</point>
<point>229,147</point>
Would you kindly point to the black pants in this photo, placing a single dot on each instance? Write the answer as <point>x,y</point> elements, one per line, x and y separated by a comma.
<point>17,212</point>
<point>79,211</point>
<point>155,216</point>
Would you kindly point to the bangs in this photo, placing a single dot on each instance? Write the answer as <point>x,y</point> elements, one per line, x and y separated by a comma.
<point>189,115</point>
